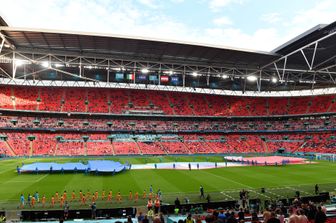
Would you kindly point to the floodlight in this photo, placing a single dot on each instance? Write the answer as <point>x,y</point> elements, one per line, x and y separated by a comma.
<point>252,78</point>
<point>19,62</point>
<point>59,65</point>
<point>274,80</point>
<point>45,64</point>
<point>144,70</point>
<point>194,74</point>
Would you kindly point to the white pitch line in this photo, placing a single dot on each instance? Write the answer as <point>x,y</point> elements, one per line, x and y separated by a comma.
<point>259,193</point>
<point>222,192</point>
<point>27,181</point>
<point>227,179</point>
<point>42,177</point>
<point>295,189</point>
<point>275,194</point>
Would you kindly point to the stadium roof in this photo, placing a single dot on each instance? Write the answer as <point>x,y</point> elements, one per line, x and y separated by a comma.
<point>325,50</point>
<point>3,22</point>
<point>305,38</point>
<point>158,50</point>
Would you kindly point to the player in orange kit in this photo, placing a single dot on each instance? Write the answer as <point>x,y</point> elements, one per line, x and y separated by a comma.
<point>130,196</point>
<point>65,195</point>
<point>119,197</point>
<point>56,196</point>
<point>43,201</point>
<point>103,195</point>
<point>80,195</point>
<point>83,200</point>
<point>96,195</point>
<point>62,201</point>
<point>33,200</point>
<point>73,196</point>
<point>52,201</point>
<point>144,195</point>
<point>109,197</point>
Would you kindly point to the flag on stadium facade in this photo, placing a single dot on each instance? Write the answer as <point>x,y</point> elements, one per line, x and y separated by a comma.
<point>142,77</point>
<point>130,76</point>
<point>119,76</point>
<point>164,79</point>
<point>174,79</point>
<point>153,78</point>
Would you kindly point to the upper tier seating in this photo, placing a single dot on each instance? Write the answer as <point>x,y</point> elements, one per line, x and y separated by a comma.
<point>119,101</point>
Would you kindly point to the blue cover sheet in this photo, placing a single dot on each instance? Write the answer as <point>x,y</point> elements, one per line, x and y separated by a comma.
<point>92,166</point>
<point>105,166</point>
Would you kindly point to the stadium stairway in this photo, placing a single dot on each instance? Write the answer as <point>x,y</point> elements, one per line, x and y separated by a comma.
<point>56,149</point>
<point>208,105</point>
<point>85,149</point>
<point>9,148</point>
<point>162,147</point>
<point>113,150</point>
<point>208,146</point>
<point>38,96</point>
<point>31,149</point>
<point>109,102</point>
<point>186,148</point>
<point>13,98</point>
<point>87,99</point>
<point>266,149</point>
<point>191,106</point>
<point>169,102</point>
<point>137,144</point>
<point>330,108</point>
<point>267,107</point>
<point>309,105</point>
<point>300,147</point>
<point>63,99</point>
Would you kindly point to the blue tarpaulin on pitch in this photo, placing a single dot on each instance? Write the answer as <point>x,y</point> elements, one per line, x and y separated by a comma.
<point>105,166</point>
<point>53,166</point>
<point>93,165</point>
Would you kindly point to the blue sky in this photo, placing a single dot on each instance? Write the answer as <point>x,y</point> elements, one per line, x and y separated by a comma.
<point>252,24</point>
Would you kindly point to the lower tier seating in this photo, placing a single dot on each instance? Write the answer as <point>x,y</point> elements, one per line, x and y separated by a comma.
<point>67,144</point>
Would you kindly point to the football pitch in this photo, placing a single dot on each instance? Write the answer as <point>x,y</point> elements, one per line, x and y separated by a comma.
<point>221,183</point>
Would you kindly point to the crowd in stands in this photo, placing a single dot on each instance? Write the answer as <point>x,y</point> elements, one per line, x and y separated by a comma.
<point>27,134</point>
<point>118,101</point>
<point>276,212</point>
<point>70,144</point>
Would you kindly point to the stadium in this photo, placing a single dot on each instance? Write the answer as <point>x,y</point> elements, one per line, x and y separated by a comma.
<point>114,121</point>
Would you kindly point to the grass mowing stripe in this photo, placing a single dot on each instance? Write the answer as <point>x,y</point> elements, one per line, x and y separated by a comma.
<point>182,183</point>
<point>228,179</point>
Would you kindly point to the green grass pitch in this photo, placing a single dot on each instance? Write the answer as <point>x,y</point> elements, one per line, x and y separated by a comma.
<point>222,183</point>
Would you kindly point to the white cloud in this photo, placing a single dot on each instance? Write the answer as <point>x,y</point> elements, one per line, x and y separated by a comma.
<point>149,3</point>
<point>221,21</point>
<point>271,18</point>
<point>177,1</point>
<point>322,12</point>
<point>259,40</point>
<point>216,5</point>
<point>126,18</point>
